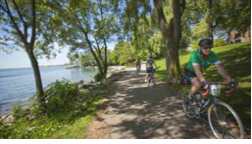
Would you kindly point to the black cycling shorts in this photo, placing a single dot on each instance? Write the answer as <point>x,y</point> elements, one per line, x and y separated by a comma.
<point>189,74</point>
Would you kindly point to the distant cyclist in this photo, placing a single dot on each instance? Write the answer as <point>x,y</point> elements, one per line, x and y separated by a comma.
<point>138,64</point>
<point>199,61</point>
<point>149,65</point>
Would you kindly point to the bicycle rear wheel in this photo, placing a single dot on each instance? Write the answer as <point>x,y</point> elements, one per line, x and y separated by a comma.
<point>187,107</point>
<point>224,122</point>
<point>152,85</point>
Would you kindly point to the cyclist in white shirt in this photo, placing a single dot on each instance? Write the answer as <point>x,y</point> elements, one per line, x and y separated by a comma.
<point>149,65</point>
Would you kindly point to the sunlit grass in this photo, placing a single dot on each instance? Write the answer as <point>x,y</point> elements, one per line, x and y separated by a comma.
<point>75,130</point>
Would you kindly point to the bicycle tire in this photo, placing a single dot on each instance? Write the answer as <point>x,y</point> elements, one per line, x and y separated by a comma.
<point>219,122</point>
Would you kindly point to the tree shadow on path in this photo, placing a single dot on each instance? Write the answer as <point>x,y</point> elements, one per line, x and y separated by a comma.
<point>135,111</point>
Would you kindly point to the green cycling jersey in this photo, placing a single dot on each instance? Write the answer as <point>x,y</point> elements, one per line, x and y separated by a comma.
<point>196,59</point>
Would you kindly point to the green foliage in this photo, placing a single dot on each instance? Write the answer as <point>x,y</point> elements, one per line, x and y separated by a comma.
<point>60,96</point>
<point>17,111</point>
<point>236,15</point>
<point>76,130</point>
<point>53,126</point>
<point>42,127</point>
<point>200,30</point>
<point>123,53</point>
<point>219,42</point>
<point>87,60</point>
<point>4,130</point>
<point>195,45</point>
<point>224,15</point>
<point>99,77</point>
<point>67,109</point>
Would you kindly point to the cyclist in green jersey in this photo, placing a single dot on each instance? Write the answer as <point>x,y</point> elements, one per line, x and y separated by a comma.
<point>199,61</point>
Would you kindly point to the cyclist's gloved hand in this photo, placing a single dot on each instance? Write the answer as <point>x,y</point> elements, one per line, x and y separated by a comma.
<point>204,84</point>
<point>233,83</point>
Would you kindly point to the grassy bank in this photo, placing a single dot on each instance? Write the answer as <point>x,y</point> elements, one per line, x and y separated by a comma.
<point>236,59</point>
<point>68,111</point>
<point>76,129</point>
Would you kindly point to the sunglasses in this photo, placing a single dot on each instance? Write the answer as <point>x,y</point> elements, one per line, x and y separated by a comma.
<point>205,48</point>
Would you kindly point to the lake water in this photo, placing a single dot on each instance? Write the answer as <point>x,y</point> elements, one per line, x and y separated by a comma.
<point>18,85</point>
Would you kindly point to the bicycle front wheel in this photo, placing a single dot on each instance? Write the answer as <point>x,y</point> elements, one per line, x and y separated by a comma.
<point>224,122</point>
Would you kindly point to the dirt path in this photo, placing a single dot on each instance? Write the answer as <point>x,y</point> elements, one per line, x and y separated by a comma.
<point>133,111</point>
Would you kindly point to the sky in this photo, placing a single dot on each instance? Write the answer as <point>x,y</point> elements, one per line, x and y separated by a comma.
<point>19,59</point>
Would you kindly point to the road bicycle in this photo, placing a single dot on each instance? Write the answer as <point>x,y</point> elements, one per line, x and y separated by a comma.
<point>138,69</point>
<point>223,120</point>
<point>151,80</point>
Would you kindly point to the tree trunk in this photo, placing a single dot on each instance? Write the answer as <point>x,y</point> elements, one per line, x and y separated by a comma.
<point>171,34</point>
<point>97,60</point>
<point>106,58</point>
<point>210,20</point>
<point>39,86</point>
<point>228,37</point>
<point>173,61</point>
<point>93,53</point>
<point>210,31</point>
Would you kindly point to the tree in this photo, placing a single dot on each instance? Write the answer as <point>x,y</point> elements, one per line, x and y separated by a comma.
<point>200,30</point>
<point>123,53</point>
<point>236,16</point>
<point>20,17</point>
<point>87,60</point>
<point>220,15</point>
<point>88,26</point>
<point>171,34</point>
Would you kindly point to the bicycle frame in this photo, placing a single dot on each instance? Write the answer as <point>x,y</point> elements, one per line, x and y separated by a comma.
<point>151,78</point>
<point>138,67</point>
<point>213,93</point>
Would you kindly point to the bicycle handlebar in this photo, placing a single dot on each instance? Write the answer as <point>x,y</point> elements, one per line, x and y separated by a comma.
<point>206,93</point>
<point>223,83</point>
<point>231,85</point>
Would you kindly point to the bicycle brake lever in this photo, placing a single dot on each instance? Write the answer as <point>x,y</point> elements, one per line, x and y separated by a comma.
<point>232,87</point>
<point>231,90</point>
<point>206,93</point>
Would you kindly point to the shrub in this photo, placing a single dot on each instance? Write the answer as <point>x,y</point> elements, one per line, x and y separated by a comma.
<point>59,96</point>
<point>17,111</point>
<point>4,130</point>
<point>219,42</point>
<point>99,77</point>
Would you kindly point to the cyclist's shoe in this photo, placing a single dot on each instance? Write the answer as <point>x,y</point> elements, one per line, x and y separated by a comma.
<point>190,101</point>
